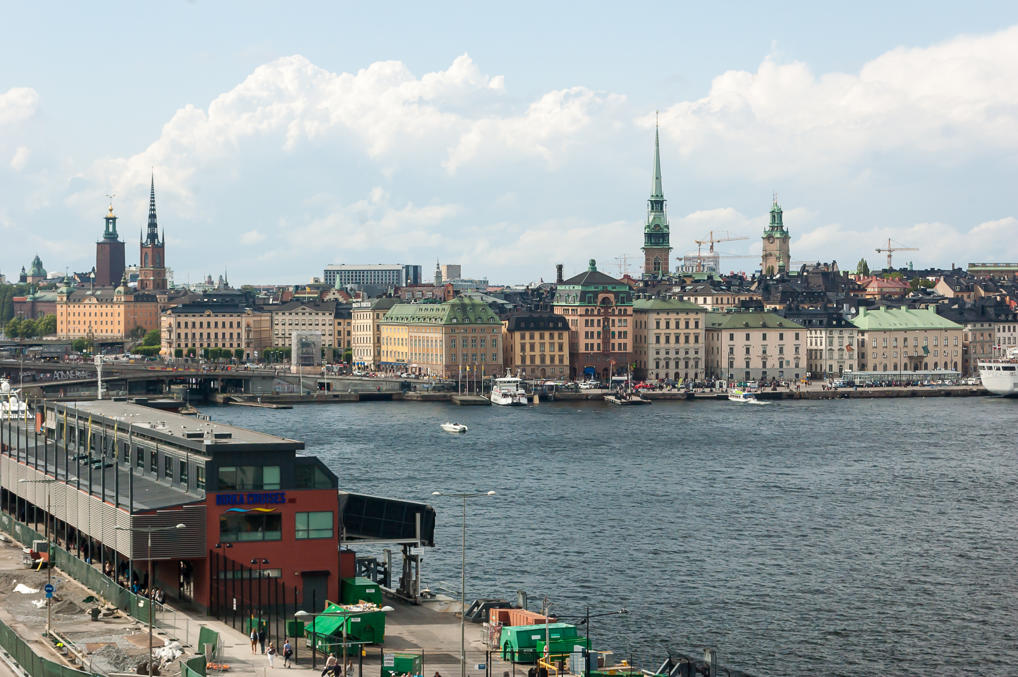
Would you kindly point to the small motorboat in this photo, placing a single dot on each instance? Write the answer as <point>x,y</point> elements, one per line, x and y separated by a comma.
<point>454,427</point>
<point>743,397</point>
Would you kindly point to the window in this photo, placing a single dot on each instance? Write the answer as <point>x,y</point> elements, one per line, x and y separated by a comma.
<point>167,467</point>
<point>314,525</point>
<point>182,472</point>
<point>249,477</point>
<point>153,461</point>
<point>250,526</point>
<point>199,476</point>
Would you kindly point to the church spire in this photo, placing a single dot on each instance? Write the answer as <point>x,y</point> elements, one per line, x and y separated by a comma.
<point>153,225</point>
<point>656,191</point>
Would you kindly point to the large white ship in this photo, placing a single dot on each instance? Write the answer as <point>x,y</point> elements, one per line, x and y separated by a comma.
<point>508,391</point>
<point>1000,377</point>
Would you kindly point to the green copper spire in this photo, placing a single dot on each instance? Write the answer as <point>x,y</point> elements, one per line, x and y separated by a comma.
<point>776,226</point>
<point>655,231</point>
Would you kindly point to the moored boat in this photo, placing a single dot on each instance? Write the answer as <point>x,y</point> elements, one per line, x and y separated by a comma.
<point>11,404</point>
<point>1000,377</point>
<point>508,391</point>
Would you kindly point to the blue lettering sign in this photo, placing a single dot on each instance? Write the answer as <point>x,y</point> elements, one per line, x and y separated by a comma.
<point>273,498</point>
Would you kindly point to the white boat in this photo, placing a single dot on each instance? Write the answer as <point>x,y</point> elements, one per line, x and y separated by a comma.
<point>1000,377</point>
<point>508,391</point>
<point>743,396</point>
<point>454,427</point>
<point>11,404</point>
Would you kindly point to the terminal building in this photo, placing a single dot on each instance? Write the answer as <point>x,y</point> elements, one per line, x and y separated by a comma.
<point>110,474</point>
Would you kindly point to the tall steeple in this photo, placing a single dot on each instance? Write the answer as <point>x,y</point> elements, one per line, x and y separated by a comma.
<point>656,233</point>
<point>153,226</point>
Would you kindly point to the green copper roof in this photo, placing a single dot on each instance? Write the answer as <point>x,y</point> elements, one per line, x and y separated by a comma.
<point>888,319</point>
<point>666,305</point>
<point>750,320</point>
<point>656,190</point>
<point>460,310</point>
<point>777,226</point>
<point>655,230</point>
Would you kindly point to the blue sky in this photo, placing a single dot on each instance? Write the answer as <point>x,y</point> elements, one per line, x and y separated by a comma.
<point>507,139</point>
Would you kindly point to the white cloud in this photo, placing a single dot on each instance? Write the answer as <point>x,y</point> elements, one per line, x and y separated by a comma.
<point>20,158</point>
<point>18,104</point>
<point>252,237</point>
<point>953,99</point>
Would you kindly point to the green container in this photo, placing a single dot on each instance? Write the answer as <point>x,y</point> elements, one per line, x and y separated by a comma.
<point>562,647</point>
<point>251,622</point>
<point>356,590</point>
<point>294,628</point>
<point>402,664</point>
<point>369,627</point>
<point>521,640</point>
<point>360,626</point>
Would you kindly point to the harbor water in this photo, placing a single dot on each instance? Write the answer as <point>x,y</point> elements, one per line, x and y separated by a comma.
<point>798,538</point>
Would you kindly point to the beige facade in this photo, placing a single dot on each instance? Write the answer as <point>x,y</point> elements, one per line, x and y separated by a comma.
<point>753,346</point>
<point>830,351</point>
<point>715,300</point>
<point>669,340</point>
<point>902,339</point>
<point>1005,335</point>
<point>458,338</point>
<point>190,329</point>
<point>342,326</point>
<point>365,331</point>
<point>105,313</point>
<point>536,346</point>
<point>291,317</point>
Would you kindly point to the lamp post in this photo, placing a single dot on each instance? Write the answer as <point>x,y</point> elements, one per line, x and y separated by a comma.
<point>345,615</point>
<point>49,551</point>
<point>463,572</point>
<point>151,580</point>
<point>259,562</point>
<point>586,622</point>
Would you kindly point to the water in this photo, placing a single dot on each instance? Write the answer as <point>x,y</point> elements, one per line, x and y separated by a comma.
<point>800,538</point>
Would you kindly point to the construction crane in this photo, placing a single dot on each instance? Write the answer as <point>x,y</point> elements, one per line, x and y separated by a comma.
<point>890,250</point>
<point>711,240</point>
<point>623,264</point>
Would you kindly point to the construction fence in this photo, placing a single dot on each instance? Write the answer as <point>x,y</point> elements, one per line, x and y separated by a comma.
<point>33,664</point>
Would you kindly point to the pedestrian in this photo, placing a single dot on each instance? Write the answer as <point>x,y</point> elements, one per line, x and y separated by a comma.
<point>331,665</point>
<point>254,640</point>
<point>270,653</point>
<point>287,653</point>
<point>261,639</point>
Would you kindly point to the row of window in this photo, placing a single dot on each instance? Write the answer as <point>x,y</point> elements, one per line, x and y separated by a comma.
<point>247,527</point>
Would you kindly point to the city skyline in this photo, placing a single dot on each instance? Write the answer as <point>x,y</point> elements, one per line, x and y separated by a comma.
<point>280,150</point>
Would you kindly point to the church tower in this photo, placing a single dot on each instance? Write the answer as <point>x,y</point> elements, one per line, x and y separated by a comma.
<point>152,261</point>
<point>656,248</point>
<point>109,254</point>
<point>776,258</point>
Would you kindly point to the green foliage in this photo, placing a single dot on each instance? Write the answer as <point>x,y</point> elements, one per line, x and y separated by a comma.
<point>147,351</point>
<point>276,354</point>
<point>862,268</point>
<point>348,355</point>
<point>152,338</point>
<point>916,282</point>
<point>178,352</point>
<point>21,328</point>
<point>239,353</point>
<point>80,345</point>
<point>136,333</point>
<point>46,326</point>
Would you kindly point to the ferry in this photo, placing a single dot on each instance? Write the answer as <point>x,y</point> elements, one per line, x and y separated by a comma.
<point>11,404</point>
<point>1000,377</point>
<point>743,396</point>
<point>508,391</point>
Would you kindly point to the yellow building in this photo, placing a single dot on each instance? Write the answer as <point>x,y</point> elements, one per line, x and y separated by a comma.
<point>191,329</point>
<point>906,339</point>
<point>105,313</point>
<point>445,340</point>
<point>365,331</point>
<point>303,316</point>
<point>536,345</point>
<point>343,327</point>
<point>669,340</point>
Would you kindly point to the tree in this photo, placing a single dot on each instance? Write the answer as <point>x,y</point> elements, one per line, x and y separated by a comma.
<point>348,355</point>
<point>79,345</point>
<point>178,352</point>
<point>239,353</point>
<point>136,333</point>
<point>862,268</point>
<point>13,328</point>
<point>46,326</point>
<point>152,338</point>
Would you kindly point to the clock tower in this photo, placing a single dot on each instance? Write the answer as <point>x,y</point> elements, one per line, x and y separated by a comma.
<point>656,247</point>
<point>776,257</point>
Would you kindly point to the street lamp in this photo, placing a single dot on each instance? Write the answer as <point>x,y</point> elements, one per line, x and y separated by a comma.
<point>49,552</point>
<point>151,580</point>
<point>586,621</point>
<point>463,572</point>
<point>304,615</point>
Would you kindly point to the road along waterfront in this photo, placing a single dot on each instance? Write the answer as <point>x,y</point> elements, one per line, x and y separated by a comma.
<point>805,537</point>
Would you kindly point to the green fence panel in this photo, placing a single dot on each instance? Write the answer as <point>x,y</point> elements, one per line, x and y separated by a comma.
<point>33,664</point>
<point>193,667</point>
<point>208,637</point>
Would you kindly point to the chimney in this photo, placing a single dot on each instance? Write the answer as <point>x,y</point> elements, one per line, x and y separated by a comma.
<point>558,273</point>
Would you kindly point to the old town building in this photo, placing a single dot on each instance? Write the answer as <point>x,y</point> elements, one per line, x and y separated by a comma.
<point>365,333</point>
<point>152,256</point>
<point>830,341</point>
<point>192,329</point>
<point>536,345</point>
<point>462,337</point>
<point>342,327</point>
<point>668,340</point>
<point>716,295</point>
<point>776,258</point>
<point>599,310</point>
<point>303,316</point>
<point>906,339</point>
<point>105,314</point>
<point>754,346</point>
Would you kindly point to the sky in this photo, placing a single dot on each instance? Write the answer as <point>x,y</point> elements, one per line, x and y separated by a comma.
<point>284,137</point>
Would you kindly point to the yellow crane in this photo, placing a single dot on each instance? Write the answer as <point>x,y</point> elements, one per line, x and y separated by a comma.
<point>890,250</point>
<point>711,240</point>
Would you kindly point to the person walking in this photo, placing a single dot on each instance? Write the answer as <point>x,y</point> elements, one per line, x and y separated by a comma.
<point>287,653</point>
<point>331,666</point>
<point>261,638</point>
<point>270,653</point>
<point>254,640</point>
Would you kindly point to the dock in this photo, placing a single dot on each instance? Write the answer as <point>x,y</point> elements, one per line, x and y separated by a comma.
<point>470,400</point>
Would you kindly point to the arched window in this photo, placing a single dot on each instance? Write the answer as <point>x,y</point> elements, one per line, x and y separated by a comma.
<point>146,260</point>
